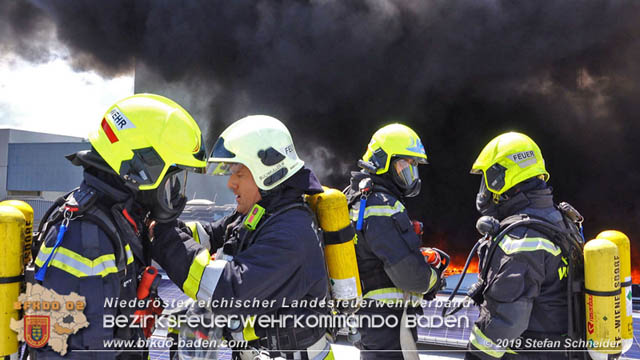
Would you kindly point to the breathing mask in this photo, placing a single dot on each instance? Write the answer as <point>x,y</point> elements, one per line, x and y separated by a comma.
<point>404,172</point>
<point>166,202</point>
<point>485,203</point>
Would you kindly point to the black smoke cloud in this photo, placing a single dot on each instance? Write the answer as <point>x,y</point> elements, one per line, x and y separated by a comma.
<point>458,71</point>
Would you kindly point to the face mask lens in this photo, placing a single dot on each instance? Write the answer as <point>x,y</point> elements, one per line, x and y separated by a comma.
<point>406,171</point>
<point>173,190</point>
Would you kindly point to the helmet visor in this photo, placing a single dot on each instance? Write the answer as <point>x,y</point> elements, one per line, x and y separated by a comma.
<point>405,170</point>
<point>223,168</point>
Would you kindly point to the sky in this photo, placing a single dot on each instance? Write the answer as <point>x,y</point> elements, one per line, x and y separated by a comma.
<point>51,97</point>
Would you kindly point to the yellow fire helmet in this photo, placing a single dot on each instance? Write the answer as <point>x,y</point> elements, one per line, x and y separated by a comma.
<point>261,143</point>
<point>393,140</point>
<point>507,160</point>
<point>142,136</point>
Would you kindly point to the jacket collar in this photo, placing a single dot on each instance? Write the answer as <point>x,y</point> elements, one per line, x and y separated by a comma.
<point>527,202</point>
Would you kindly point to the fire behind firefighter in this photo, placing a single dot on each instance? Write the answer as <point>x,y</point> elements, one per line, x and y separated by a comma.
<point>392,268</point>
<point>267,250</point>
<point>525,299</point>
<point>94,240</point>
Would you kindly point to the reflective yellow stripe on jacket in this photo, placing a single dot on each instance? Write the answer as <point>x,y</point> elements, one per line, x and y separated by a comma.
<point>394,296</point>
<point>378,210</point>
<point>510,245</point>
<point>486,345</point>
<point>76,264</point>
<point>203,276</point>
<point>127,249</point>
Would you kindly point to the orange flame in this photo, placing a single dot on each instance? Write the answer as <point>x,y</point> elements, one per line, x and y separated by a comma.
<point>457,265</point>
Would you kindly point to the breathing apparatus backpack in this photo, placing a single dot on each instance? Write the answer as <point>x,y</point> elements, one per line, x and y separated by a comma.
<point>570,240</point>
<point>116,224</point>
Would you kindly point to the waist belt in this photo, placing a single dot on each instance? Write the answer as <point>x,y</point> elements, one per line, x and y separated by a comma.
<point>319,350</point>
<point>279,339</point>
<point>374,279</point>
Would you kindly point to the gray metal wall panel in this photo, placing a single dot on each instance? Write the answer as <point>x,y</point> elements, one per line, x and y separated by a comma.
<point>42,166</point>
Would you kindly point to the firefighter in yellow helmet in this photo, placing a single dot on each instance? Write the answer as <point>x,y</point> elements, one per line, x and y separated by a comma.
<point>93,240</point>
<point>393,270</point>
<point>524,300</point>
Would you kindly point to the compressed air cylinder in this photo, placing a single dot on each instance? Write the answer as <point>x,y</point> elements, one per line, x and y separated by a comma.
<point>12,226</point>
<point>602,299</point>
<point>333,215</point>
<point>27,211</point>
<point>624,250</point>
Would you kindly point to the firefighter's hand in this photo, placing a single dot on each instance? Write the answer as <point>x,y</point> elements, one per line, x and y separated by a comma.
<point>431,257</point>
<point>151,224</point>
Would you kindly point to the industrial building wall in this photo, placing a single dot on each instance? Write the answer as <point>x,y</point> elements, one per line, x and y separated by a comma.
<point>43,166</point>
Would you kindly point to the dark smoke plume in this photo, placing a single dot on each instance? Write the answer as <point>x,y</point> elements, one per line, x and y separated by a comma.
<point>458,71</point>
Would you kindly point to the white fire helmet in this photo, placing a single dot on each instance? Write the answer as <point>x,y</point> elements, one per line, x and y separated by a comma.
<point>261,143</point>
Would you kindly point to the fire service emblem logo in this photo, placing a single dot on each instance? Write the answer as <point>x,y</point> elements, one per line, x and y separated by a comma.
<point>36,332</point>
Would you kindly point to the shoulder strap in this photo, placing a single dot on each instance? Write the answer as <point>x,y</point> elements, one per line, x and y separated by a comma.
<point>102,219</point>
<point>555,234</point>
<point>86,207</point>
<point>277,213</point>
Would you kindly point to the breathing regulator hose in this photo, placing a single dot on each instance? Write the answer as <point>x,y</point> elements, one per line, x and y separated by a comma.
<point>487,226</point>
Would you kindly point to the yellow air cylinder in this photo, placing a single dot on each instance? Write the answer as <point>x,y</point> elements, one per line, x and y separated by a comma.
<point>27,211</point>
<point>340,255</point>
<point>602,299</point>
<point>624,250</point>
<point>11,268</point>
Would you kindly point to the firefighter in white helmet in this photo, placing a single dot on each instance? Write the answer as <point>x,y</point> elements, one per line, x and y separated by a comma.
<point>266,250</point>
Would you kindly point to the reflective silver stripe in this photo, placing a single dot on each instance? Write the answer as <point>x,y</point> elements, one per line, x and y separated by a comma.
<point>203,236</point>
<point>209,280</point>
<point>510,245</point>
<point>43,254</point>
<point>63,260</point>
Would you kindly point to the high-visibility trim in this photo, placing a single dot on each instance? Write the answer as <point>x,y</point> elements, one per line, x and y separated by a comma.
<point>433,279</point>
<point>484,344</point>
<point>76,264</point>
<point>194,231</point>
<point>210,278</point>
<point>379,210</point>
<point>192,282</point>
<point>199,234</point>
<point>321,350</point>
<point>392,296</point>
<point>511,246</point>
<point>127,249</point>
<point>249,332</point>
